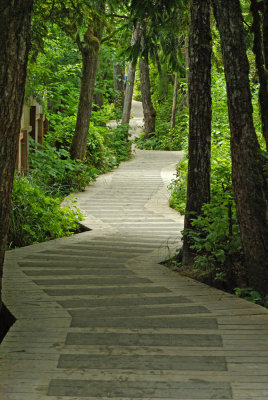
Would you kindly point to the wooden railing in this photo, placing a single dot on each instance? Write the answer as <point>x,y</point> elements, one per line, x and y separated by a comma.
<point>32,124</point>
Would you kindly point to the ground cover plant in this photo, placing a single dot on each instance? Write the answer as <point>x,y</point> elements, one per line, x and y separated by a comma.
<point>38,217</point>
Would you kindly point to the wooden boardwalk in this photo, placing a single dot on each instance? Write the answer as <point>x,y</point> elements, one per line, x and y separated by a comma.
<point>99,318</point>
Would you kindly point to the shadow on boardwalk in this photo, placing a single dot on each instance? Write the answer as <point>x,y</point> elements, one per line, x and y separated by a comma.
<point>99,318</point>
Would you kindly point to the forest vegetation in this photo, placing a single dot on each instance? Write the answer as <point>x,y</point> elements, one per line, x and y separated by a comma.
<point>200,69</point>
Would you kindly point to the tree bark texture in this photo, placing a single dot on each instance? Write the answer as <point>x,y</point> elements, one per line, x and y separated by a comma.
<point>247,175</point>
<point>199,86</point>
<point>147,105</point>
<point>260,65</point>
<point>118,86</point>
<point>129,93</point>
<point>130,83</point>
<point>90,54</point>
<point>174,104</point>
<point>186,59</point>
<point>265,32</point>
<point>15,19</point>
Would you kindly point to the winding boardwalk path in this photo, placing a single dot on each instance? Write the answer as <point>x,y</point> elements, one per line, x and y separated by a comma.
<point>99,318</point>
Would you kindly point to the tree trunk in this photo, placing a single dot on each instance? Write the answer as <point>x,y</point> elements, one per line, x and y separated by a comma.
<point>174,104</point>
<point>90,54</point>
<point>118,87</point>
<point>147,105</point>
<point>130,83</point>
<point>129,93</point>
<point>247,175</point>
<point>199,86</point>
<point>260,65</point>
<point>186,59</point>
<point>15,19</point>
<point>265,33</point>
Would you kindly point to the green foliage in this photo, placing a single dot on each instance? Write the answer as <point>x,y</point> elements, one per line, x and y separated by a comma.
<point>165,138</point>
<point>215,236</point>
<point>53,78</point>
<point>216,242</point>
<point>178,188</point>
<point>107,146</point>
<point>105,78</point>
<point>36,214</point>
<point>117,141</point>
<point>61,129</point>
<point>252,295</point>
<point>137,86</point>
<point>56,173</point>
<point>37,217</point>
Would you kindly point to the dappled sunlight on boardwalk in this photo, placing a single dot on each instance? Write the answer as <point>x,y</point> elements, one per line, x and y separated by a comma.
<point>99,318</point>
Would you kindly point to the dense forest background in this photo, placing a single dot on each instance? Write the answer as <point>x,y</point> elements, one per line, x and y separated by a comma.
<point>202,79</point>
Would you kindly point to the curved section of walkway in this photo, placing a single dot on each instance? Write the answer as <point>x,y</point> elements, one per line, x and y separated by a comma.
<point>99,318</point>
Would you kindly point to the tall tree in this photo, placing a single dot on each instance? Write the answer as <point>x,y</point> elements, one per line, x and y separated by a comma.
<point>247,174</point>
<point>258,48</point>
<point>199,87</point>
<point>15,20</point>
<point>265,41</point>
<point>83,21</point>
<point>130,81</point>
<point>147,105</point>
<point>89,47</point>
<point>265,32</point>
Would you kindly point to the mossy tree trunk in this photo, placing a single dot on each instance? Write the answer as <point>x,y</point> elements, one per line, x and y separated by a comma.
<point>265,32</point>
<point>89,47</point>
<point>15,19</point>
<point>199,89</point>
<point>247,174</point>
<point>258,49</point>
<point>147,105</point>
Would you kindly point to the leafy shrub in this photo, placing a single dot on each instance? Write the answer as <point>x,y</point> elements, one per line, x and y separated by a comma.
<point>57,173</point>
<point>117,141</point>
<point>165,138</point>
<point>96,151</point>
<point>103,115</point>
<point>61,130</point>
<point>178,188</point>
<point>216,242</point>
<point>37,217</point>
<point>107,147</point>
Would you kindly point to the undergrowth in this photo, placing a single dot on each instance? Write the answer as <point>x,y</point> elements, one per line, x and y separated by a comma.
<point>53,79</point>
<point>36,211</point>
<point>215,237</point>
<point>37,217</point>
